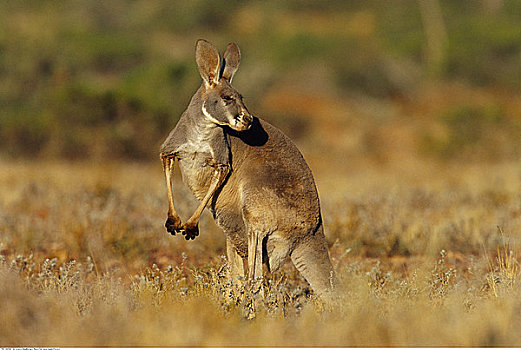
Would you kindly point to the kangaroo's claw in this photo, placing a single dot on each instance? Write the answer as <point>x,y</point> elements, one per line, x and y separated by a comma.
<point>190,231</point>
<point>173,225</point>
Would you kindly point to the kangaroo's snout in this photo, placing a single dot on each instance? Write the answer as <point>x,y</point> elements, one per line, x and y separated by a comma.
<point>242,121</point>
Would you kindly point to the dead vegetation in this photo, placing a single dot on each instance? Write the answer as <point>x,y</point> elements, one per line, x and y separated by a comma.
<point>425,257</point>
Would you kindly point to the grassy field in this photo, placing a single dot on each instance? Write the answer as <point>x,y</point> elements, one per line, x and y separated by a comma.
<point>408,112</point>
<point>427,255</point>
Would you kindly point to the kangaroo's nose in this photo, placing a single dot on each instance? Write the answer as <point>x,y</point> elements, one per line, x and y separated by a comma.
<point>247,119</point>
<point>243,121</point>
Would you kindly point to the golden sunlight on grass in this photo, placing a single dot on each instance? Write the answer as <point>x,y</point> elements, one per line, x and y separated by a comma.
<point>85,261</point>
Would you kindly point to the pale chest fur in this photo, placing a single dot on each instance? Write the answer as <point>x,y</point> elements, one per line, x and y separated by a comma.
<point>199,150</point>
<point>196,172</point>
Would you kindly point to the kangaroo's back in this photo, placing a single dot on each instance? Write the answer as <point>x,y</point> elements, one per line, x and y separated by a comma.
<point>266,161</point>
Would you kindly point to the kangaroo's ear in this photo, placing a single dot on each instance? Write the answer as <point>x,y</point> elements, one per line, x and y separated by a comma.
<point>232,59</point>
<point>208,61</point>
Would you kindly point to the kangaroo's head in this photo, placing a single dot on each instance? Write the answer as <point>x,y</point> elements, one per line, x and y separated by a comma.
<point>221,103</point>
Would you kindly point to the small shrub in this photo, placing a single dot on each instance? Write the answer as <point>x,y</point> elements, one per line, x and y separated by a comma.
<point>472,133</point>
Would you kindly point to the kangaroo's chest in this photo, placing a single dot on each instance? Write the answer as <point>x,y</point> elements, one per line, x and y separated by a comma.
<point>199,150</point>
<point>195,170</point>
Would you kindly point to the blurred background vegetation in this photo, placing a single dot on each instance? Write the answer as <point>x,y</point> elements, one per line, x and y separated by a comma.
<point>380,80</point>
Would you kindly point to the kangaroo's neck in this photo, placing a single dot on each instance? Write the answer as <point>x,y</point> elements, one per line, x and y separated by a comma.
<point>201,134</point>
<point>202,127</point>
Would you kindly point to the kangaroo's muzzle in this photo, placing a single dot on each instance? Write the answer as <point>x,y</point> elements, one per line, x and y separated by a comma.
<point>242,122</point>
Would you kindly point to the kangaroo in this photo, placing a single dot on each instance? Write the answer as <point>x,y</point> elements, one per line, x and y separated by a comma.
<point>250,175</point>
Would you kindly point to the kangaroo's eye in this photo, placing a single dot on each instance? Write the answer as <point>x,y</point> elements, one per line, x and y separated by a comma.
<point>227,98</point>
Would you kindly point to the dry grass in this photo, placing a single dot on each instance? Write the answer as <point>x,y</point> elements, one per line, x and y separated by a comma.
<point>426,256</point>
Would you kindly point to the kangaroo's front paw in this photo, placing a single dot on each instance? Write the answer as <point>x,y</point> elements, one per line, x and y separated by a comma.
<point>173,225</point>
<point>190,231</point>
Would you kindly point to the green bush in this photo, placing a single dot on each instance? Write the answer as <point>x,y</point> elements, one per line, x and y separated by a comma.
<point>485,50</point>
<point>94,79</point>
<point>473,132</point>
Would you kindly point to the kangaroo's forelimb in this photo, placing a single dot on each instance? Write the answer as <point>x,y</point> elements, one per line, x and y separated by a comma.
<point>173,221</point>
<point>190,229</point>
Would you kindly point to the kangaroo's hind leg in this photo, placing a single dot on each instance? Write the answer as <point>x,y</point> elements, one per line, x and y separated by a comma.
<point>255,260</point>
<point>277,251</point>
<point>234,260</point>
<point>236,273</point>
<point>255,290</point>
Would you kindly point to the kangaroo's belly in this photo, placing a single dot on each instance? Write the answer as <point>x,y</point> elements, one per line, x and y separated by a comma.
<point>196,172</point>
